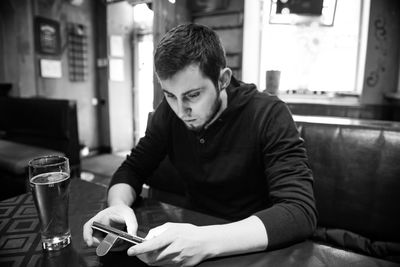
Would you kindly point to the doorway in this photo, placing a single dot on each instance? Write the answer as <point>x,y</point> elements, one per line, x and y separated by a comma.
<point>124,73</point>
<point>142,66</point>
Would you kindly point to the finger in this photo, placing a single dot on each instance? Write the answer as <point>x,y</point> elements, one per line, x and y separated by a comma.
<point>123,215</point>
<point>88,233</point>
<point>151,259</point>
<point>147,258</point>
<point>131,222</point>
<point>165,263</point>
<point>168,254</point>
<point>96,242</point>
<point>149,245</point>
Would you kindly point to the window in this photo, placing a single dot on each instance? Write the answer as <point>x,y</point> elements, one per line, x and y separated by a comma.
<point>314,56</point>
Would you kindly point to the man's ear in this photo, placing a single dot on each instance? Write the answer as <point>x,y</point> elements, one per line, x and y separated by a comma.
<point>225,78</point>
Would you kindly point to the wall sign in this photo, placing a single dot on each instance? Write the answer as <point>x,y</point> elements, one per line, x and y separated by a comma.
<point>116,46</point>
<point>303,12</point>
<point>117,69</point>
<point>47,36</point>
<point>50,68</point>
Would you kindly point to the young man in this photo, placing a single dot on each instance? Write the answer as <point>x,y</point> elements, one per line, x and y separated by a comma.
<point>237,150</point>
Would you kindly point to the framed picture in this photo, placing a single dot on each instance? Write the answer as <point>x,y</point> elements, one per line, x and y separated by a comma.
<point>116,46</point>
<point>303,12</point>
<point>47,36</point>
<point>50,68</point>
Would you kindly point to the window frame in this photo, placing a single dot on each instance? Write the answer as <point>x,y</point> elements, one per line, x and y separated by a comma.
<point>252,46</point>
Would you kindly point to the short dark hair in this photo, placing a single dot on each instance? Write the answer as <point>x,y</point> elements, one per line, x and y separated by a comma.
<point>190,44</point>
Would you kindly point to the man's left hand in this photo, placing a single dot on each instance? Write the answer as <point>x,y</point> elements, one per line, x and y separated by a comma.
<point>174,244</point>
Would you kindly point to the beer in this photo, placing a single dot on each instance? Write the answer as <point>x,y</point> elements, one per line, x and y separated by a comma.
<point>51,192</point>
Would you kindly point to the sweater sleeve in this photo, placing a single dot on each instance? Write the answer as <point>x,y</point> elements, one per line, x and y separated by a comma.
<point>148,153</point>
<point>292,217</point>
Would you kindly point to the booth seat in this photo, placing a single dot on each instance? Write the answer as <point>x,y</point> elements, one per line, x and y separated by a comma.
<point>33,127</point>
<point>356,170</point>
<point>356,167</point>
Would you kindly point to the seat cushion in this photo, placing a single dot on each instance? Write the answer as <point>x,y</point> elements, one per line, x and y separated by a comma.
<point>356,182</point>
<point>14,157</point>
<point>350,241</point>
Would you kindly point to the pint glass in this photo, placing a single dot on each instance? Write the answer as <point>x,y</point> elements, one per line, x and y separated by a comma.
<point>49,178</point>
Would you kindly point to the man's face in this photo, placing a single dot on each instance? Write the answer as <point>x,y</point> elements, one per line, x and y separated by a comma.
<point>192,97</point>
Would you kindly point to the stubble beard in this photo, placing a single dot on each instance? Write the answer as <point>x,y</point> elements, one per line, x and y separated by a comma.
<point>214,110</point>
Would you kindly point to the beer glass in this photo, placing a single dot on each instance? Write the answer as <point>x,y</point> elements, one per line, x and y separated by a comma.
<point>49,178</point>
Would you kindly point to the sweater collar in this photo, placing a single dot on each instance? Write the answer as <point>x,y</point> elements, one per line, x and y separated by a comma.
<point>239,94</point>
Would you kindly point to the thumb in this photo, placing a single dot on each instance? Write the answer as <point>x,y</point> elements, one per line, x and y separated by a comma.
<point>131,222</point>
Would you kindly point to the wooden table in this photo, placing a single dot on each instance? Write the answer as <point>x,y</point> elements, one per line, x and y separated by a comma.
<point>20,239</point>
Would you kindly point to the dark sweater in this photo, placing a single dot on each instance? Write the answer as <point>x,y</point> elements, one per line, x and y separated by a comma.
<point>251,161</point>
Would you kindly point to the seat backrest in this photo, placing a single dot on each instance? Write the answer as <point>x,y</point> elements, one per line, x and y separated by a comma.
<point>47,123</point>
<point>371,112</point>
<point>356,174</point>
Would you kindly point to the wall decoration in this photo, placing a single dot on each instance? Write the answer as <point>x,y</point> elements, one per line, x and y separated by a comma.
<point>303,12</point>
<point>76,2</point>
<point>50,68</point>
<point>116,46</point>
<point>77,52</point>
<point>47,36</point>
<point>117,69</point>
<point>381,46</point>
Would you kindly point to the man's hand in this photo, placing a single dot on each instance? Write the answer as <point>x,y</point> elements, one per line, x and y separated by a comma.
<point>178,244</point>
<point>118,214</point>
<point>175,244</point>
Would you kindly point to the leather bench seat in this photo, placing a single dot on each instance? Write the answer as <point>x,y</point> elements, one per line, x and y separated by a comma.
<point>32,127</point>
<point>355,163</point>
<point>356,182</point>
<point>14,157</point>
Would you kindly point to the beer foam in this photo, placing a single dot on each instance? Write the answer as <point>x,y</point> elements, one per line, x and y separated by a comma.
<point>49,178</point>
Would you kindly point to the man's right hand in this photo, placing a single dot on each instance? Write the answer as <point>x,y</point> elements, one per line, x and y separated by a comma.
<point>117,214</point>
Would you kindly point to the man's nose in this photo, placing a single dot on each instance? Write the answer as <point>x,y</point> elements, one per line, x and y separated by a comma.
<point>183,109</point>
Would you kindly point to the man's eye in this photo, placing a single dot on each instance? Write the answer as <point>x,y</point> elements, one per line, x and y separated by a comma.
<point>170,95</point>
<point>194,95</point>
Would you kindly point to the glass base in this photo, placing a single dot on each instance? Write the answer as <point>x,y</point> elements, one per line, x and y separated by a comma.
<point>56,243</point>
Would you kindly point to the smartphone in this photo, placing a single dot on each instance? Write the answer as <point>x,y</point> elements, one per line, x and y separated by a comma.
<point>120,234</point>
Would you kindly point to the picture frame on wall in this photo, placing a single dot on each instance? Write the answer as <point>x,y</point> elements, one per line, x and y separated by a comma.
<point>50,68</point>
<point>47,36</point>
<point>303,12</point>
